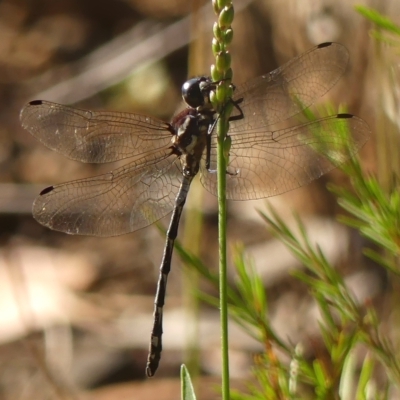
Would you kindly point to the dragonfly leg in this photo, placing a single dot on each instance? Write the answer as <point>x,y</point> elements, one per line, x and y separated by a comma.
<point>236,105</point>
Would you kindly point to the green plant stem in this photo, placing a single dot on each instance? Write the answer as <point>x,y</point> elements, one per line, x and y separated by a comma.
<point>223,281</point>
<point>221,74</point>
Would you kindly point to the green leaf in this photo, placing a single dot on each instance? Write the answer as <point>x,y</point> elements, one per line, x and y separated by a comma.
<point>378,19</point>
<point>187,389</point>
<point>365,378</point>
<point>346,388</point>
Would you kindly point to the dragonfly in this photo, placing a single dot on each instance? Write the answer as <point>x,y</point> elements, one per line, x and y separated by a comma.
<point>163,158</point>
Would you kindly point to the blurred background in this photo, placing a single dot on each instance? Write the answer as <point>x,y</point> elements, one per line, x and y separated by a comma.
<point>76,312</point>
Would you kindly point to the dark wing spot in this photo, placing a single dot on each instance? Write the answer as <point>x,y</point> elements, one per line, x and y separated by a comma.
<point>344,116</point>
<point>327,44</point>
<point>36,102</point>
<point>47,190</point>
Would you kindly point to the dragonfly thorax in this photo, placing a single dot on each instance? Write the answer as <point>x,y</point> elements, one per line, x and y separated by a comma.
<point>191,139</point>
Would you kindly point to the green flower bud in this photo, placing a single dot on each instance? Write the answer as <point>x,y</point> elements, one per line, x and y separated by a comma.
<point>214,100</point>
<point>223,61</point>
<point>218,32</point>
<point>229,91</point>
<point>216,47</point>
<point>225,18</point>
<point>216,75</point>
<point>229,74</point>
<point>223,3</point>
<point>228,36</point>
<point>216,7</point>
<point>221,94</point>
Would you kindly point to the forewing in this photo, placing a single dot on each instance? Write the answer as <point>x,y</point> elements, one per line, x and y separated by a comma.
<point>290,88</point>
<point>121,201</point>
<point>267,163</point>
<point>93,137</point>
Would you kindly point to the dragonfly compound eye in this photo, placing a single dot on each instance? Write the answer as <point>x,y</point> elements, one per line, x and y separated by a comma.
<point>191,93</point>
<point>196,91</point>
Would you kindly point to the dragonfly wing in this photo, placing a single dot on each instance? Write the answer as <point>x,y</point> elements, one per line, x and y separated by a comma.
<point>93,137</point>
<point>267,163</point>
<point>291,88</point>
<point>124,200</point>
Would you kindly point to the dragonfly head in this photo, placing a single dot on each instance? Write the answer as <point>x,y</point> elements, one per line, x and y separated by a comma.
<point>196,91</point>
